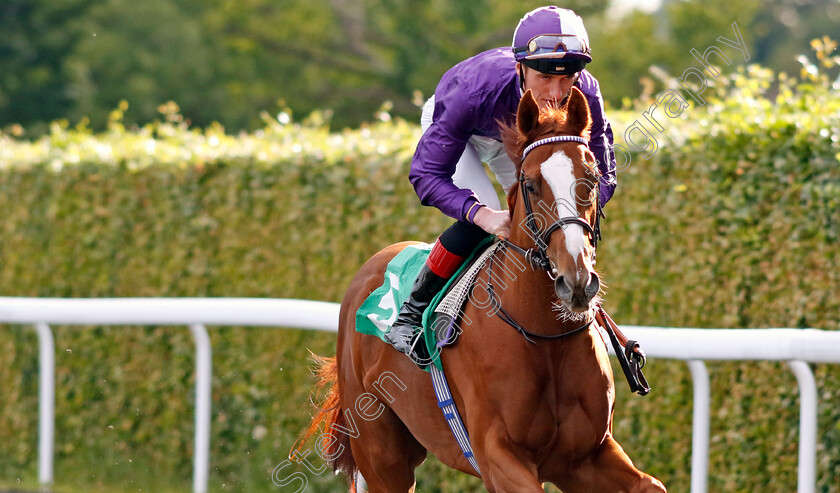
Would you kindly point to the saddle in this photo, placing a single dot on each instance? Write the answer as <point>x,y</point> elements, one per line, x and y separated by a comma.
<point>378,312</point>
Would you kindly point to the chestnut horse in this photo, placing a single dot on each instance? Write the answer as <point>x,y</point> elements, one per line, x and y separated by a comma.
<point>537,409</point>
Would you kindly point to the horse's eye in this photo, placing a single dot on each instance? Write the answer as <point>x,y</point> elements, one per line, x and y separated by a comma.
<point>529,187</point>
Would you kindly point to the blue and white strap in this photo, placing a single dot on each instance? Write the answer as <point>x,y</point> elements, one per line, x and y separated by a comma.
<point>450,412</point>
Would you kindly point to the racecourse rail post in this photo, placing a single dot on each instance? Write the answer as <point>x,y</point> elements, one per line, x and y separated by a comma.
<point>700,426</point>
<point>203,411</point>
<point>46,402</point>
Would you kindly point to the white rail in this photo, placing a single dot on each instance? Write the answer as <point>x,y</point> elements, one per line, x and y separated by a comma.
<point>192,312</point>
<point>795,346</point>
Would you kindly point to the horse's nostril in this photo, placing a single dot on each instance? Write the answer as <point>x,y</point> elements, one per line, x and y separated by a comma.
<point>593,287</point>
<point>562,288</point>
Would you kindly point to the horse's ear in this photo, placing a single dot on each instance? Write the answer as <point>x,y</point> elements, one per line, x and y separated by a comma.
<point>528,115</point>
<point>578,119</point>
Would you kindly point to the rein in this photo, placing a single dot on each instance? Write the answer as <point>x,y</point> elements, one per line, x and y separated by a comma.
<point>508,319</point>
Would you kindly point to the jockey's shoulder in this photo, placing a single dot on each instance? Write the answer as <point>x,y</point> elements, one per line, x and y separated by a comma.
<point>501,58</point>
<point>488,67</point>
<point>484,75</point>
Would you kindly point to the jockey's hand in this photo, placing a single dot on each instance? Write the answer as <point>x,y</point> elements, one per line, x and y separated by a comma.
<point>493,221</point>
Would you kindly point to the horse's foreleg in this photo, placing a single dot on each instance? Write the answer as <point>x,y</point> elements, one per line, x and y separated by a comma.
<point>505,471</point>
<point>609,470</point>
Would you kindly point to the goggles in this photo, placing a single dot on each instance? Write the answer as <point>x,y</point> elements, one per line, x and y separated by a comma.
<point>555,46</point>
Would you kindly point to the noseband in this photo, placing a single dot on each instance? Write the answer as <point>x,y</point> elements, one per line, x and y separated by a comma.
<point>537,256</point>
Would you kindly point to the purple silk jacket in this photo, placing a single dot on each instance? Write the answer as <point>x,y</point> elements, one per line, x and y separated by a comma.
<point>469,100</point>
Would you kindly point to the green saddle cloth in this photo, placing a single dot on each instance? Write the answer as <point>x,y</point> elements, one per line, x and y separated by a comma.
<point>379,311</point>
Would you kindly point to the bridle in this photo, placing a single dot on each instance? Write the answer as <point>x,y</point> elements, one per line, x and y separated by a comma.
<point>537,255</point>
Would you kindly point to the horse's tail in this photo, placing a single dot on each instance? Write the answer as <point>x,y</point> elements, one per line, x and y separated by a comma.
<point>329,413</point>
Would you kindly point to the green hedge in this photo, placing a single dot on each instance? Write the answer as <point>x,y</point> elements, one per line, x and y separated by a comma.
<point>732,223</point>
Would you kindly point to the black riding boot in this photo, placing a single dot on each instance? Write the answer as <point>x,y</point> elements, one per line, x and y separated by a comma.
<point>405,333</point>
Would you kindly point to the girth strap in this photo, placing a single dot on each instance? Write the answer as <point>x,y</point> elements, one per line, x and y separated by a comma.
<point>450,413</point>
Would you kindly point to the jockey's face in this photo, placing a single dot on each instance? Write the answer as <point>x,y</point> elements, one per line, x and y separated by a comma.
<point>547,89</point>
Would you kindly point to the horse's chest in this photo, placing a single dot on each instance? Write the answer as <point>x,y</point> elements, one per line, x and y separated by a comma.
<point>552,419</point>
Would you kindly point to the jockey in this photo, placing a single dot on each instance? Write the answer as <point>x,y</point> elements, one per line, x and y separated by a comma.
<point>461,130</point>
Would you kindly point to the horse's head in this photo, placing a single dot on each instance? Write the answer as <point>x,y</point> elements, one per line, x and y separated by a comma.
<point>554,210</point>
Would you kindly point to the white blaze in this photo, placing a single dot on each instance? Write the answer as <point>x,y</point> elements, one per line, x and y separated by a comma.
<point>558,171</point>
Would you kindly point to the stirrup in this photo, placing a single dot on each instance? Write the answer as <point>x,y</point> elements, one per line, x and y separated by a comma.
<point>410,344</point>
<point>402,338</point>
<point>418,353</point>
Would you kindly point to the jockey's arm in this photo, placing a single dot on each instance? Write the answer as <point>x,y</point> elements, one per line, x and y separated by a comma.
<point>432,168</point>
<point>438,151</point>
